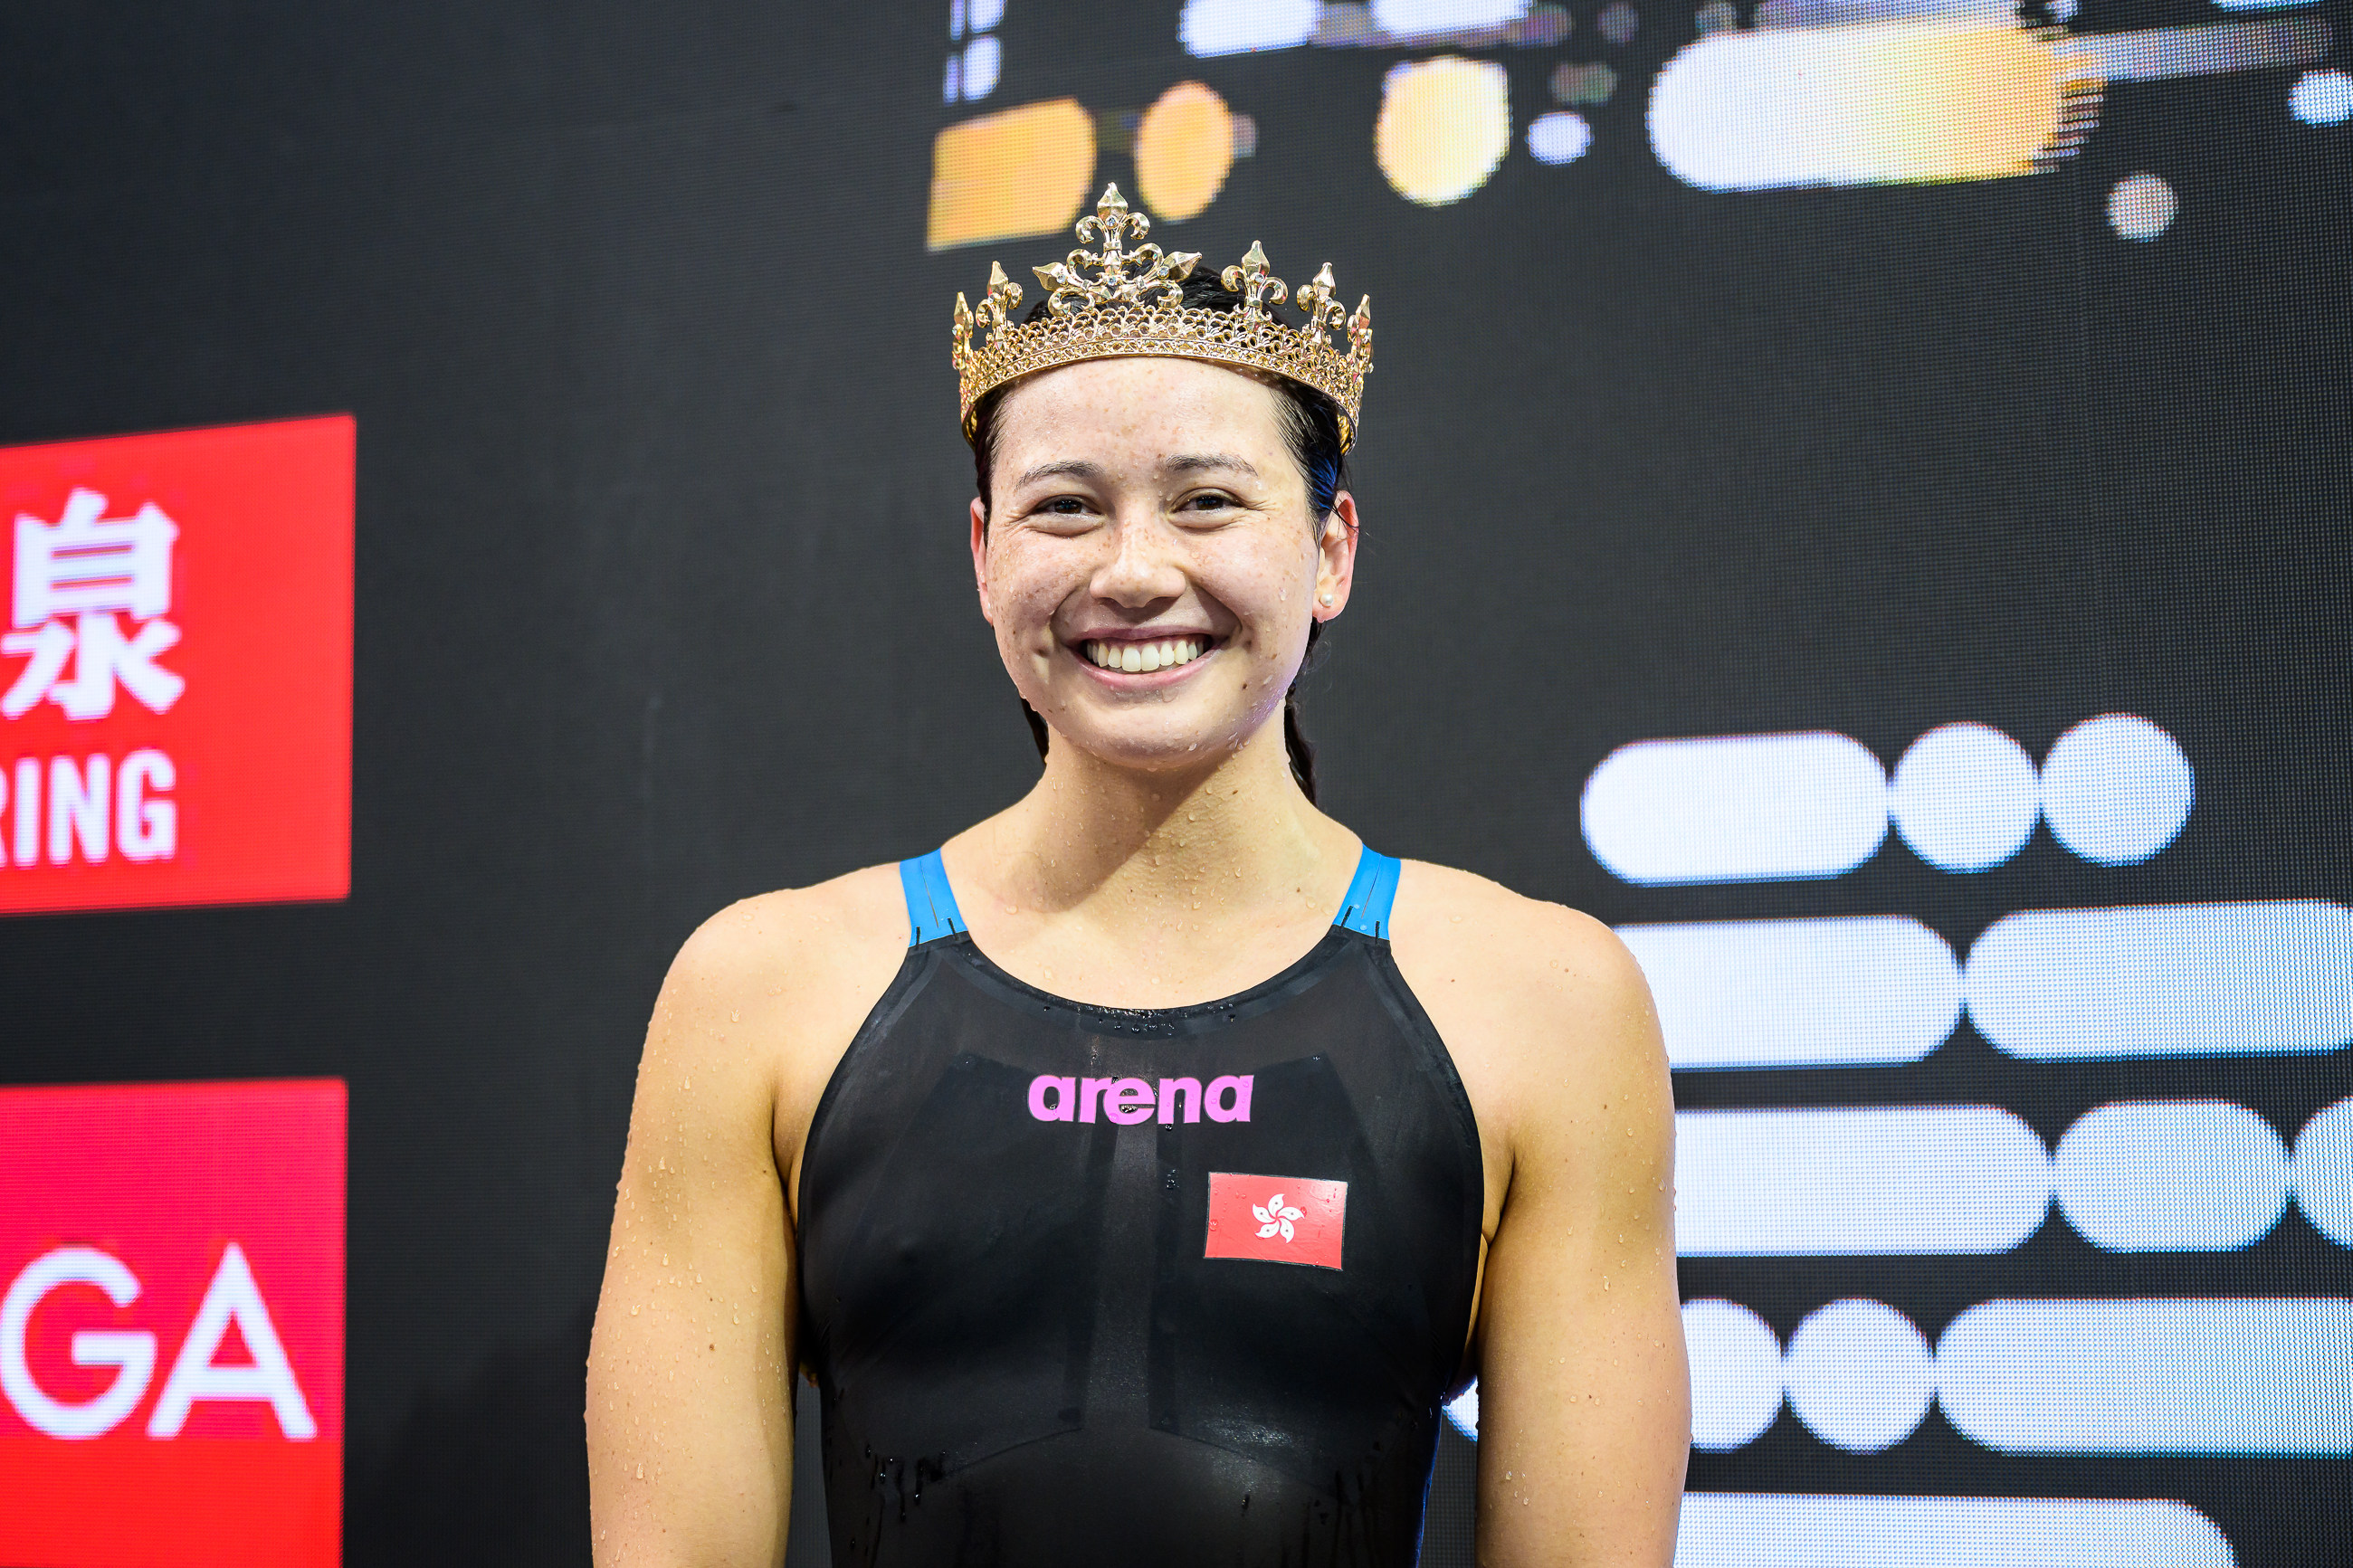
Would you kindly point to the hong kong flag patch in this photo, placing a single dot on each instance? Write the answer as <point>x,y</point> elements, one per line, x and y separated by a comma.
<point>1283,1219</point>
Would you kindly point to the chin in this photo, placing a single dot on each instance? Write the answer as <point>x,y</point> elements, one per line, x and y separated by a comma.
<point>1157,746</point>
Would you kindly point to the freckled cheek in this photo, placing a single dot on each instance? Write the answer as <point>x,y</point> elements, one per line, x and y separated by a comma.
<point>1267,595</point>
<point>1024,594</point>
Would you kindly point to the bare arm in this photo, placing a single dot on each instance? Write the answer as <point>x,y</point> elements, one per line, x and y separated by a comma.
<point>690,1373</point>
<point>1584,1397</point>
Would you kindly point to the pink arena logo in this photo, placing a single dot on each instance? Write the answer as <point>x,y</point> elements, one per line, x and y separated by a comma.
<point>1130,1100</point>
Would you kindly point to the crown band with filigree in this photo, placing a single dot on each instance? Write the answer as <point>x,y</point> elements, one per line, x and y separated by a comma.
<point>1134,304</point>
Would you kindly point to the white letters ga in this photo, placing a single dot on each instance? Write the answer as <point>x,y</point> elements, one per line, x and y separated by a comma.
<point>231,1298</point>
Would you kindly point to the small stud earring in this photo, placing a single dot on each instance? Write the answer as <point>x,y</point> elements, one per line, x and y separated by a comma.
<point>1324,597</point>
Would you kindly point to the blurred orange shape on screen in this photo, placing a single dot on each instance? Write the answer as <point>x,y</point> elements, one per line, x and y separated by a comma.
<point>1026,171</point>
<point>1183,150</point>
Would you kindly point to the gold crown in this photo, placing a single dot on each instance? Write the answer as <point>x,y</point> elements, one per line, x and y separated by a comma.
<point>1154,320</point>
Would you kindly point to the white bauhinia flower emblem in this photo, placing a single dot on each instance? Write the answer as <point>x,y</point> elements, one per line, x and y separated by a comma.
<point>1274,1217</point>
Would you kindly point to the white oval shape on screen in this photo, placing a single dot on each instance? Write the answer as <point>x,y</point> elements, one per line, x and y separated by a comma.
<point>1735,1373</point>
<point>2322,1173</point>
<point>984,59</point>
<point>1875,1180</point>
<point>1860,1375</point>
<point>1964,797</point>
<point>1766,993</point>
<point>1735,808</point>
<point>2165,980</point>
<point>1754,1529</point>
<point>2142,1376</point>
<point>2171,1176</point>
<point>1560,137</point>
<point>1407,19</point>
<point>1210,27</point>
<point>2117,789</point>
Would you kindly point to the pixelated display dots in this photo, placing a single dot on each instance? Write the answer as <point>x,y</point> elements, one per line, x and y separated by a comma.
<point>1735,1373</point>
<point>1185,146</point>
<point>1409,19</point>
<point>1024,171</point>
<point>2117,789</point>
<point>2322,1172</point>
<point>1444,125</point>
<point>2322,98</point>
<point>1879,103</point>
<point>2171,1176</point>
<point>1860,1375</point>
<point>1558,138</point>
<point>1964,798</point>
<point>2141,206</point>
<point>1574,81</point>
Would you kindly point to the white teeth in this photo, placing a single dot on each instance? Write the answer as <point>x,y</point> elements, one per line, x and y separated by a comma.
<point>1142,658</point>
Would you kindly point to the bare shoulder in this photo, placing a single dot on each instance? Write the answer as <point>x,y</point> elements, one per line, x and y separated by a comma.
<point>780,946</point>
<point>1543,1010</point>
<point>1460,929</point>
<point>767,994</point>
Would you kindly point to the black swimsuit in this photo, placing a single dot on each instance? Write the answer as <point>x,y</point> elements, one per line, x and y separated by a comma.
<point>1180,1286</point>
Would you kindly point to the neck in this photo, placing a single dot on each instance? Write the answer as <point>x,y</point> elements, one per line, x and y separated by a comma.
<point>1137,844</point>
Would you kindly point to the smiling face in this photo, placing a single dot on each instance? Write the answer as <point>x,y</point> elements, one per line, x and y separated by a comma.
<point>1151,565</point>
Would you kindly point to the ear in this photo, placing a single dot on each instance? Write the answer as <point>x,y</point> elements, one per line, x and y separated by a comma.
<point>1335,550</point>
<point>981,556</point>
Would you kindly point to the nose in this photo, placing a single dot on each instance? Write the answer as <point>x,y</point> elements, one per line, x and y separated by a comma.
<point>1143,569</point>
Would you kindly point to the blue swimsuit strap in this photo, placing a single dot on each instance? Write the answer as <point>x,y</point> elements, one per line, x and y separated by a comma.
<point>1364,908</point>
<point>932,908</point>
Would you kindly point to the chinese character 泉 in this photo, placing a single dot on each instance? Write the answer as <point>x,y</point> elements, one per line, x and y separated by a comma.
<point>72,577</point>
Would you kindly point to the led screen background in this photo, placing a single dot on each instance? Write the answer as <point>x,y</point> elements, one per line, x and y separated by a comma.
<point>661,600</point>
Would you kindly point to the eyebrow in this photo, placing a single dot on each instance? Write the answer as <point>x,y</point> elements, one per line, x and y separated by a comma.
<point>1204,462</point>
<point>1187,463</point>
<point>1067,468</point>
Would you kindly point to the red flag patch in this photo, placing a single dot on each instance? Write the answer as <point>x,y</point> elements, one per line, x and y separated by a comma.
<point>1283,1219</point>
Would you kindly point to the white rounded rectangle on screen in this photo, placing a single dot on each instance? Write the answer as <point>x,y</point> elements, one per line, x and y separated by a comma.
<point>1765,994</point>
<point>1753,1529</point>
<point>1906,1179</point>
<point>2190,1176</point>
<point>1912,100</point>
<point>2272,1376</point>
<point>1405,19</point>
<point>2165,980</point>
<point>1735,808</point>
<point>1210,27</point>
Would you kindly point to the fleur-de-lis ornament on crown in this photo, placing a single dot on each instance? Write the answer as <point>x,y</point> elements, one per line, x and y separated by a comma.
<point>1118,303</point>
<point>1121,279</point>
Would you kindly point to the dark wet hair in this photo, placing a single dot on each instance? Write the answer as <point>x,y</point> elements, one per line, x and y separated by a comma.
<point>1311,428</point>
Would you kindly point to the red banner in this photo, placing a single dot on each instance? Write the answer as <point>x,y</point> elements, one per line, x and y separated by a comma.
<point>172,1325</point>
<point>175,674</point>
